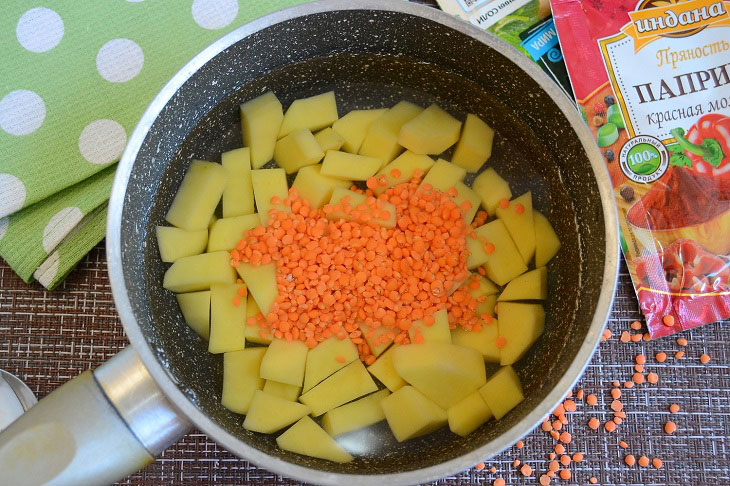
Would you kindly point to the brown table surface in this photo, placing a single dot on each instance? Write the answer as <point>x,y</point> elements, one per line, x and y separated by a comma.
<point>47,338</point>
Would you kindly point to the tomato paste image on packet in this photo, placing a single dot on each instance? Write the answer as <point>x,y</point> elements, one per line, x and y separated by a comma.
<point>652,81</point>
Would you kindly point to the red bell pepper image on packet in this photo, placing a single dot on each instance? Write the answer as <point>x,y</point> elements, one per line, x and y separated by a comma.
<point>652,81</point>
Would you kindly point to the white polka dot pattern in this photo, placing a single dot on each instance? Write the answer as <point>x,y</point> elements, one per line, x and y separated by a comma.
<point>39,29</point>
<point>4,223</point>
<point>46,273</point>
<point>59,226</point>
<point>119,60</point>
<point>12,194</point>
<point>102,141</point>
<point>22,112</point>
<point>214,14</point>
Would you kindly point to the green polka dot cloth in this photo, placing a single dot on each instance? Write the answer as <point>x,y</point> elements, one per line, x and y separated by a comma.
<point>76,77</point>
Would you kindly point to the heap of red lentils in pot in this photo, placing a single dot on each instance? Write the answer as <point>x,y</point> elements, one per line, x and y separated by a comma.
<point>352,277</point>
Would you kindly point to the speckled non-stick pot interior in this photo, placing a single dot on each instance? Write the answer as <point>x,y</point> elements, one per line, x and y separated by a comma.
<point>371,59</point>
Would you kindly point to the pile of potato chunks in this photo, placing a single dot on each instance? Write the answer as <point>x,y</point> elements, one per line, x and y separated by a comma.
<point>277,383</point>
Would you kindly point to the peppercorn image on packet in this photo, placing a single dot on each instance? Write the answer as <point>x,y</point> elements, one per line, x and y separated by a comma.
<point>652,81</point>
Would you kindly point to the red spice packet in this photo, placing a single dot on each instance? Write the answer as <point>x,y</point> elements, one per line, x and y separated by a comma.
<point>652,80</point>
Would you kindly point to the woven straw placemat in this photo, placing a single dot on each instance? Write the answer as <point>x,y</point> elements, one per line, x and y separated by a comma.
<point>47,338</point>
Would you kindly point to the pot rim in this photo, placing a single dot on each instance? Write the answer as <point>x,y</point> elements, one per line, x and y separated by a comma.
<point>180,401</point>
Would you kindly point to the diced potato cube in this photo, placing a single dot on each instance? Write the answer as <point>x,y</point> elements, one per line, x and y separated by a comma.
<point>254,333</point>
<point>431,132</point>
<point>227,320</point>
<point>464,194</point>
<point>346,199</point>
<point>486,290</point>
<point>269,183</point>
<point>353,126</point>
<point>309,439</point>
<point>282,390</point>
<point>197,272</point>
<point>381,139</point>
<point>485,286</point>
<point>175,243</point>
<point>475,145</point>
<point>355,415</point>
<point>227,232</point>
<point>466,416</point>
<point>407,164</point>
<point>378,338</point>
<point>238,193</point>
<point>502,392</point>
<point>296,150</point>
<point>268,413</point>
<point>547,243</point>
<point>312,113</point>
<point>241,378</point>
<point>326,358</point>
<point>484,340</point>
<point>491,189</point>
<point>261,119</point>
<point>438,332</point>
<point>315,187</point>
<point>328,139</point>
<point>410,414</point>
<point>528,286</point>
<point>520,325</point>
<point>261,283</point>
<point>517,217</point>
<point>198,196</point>
<point>487,307</point>
<point>284,362</point>
<point>504,262</point>
<point>443,175</point>
<point>349,166</point>
<point>195,307</point>
<point>445,373</point>
<point>347,384</point>
<point>384,371</point>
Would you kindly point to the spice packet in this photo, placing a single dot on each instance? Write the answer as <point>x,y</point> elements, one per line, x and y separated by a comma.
<point>526,24</point>
<point>652,80</point>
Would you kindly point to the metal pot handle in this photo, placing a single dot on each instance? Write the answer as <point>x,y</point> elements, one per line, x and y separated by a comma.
<point>94,430</point>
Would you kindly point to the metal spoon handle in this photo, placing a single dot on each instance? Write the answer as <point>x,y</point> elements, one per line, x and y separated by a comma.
<point>94,430</point>
<point>21,390</point>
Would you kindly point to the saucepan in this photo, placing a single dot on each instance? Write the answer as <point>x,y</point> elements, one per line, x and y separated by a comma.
<point>104,425</point>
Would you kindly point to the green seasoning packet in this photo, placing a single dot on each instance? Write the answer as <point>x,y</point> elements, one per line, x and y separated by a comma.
<point>526,24</point>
